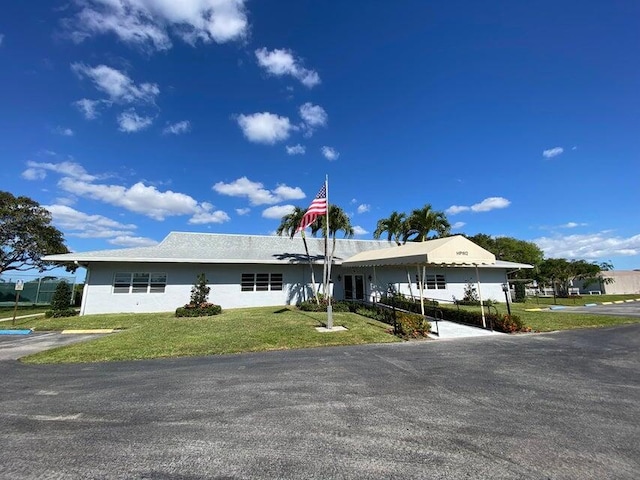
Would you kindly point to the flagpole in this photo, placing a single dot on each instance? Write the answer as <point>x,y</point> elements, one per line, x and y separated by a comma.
<point>327,264</point>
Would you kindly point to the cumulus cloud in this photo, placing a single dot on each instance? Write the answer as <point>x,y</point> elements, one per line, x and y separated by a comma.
<point>313,115</point>
<point>139,198</point>
<point>207,214</point>
<point>117,85</point>
<point>65,132</point>
<point>330,153</point>
<point>296,149</point>
<point>177,128</point>
<point>280,62</point>
<point>89,108</point>
<point>358,230</point>
<point>242,211</point>
<point>82,225</point>
<point>599,246</point>
<point>491,203</point>
<point>457,225</point>
<point>265,127</point>
<point>277,212</point>
<point>552,152</point>
<point>37,170</point>
<point>364,208</point>
<point>148,23</point>
<point>256,193</point>
<point>130,122</point>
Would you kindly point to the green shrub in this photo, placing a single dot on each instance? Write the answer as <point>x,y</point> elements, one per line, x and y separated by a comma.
<point>520,292</point>
<point>501,323</point>
<point>412,325</point>
<point>312,306</point>
<point>68,312</point>
<point>203,310</point>
<point>61,299</point>
<point>200,291</point>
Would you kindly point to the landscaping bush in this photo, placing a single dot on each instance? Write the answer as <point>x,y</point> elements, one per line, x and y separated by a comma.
<point>501,323</point>
<point>199,306</point>
<point>203,310</point>
<point>313,306</point>
<point>520,292</point>
<point>61,302</point>
<point>412,325</point>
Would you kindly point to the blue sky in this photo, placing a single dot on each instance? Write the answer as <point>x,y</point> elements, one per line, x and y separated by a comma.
<point>129,119</point>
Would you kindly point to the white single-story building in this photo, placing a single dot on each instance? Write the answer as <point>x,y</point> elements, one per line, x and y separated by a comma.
<point>253,270</point>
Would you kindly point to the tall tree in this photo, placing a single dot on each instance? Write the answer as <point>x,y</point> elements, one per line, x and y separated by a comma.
<point>289,225</point>
<point>338,222</point>
<point>424,220</point>
<point>26,234</point>
<point>560,273</point>
<point>510,249</point>
<point>396,227</point>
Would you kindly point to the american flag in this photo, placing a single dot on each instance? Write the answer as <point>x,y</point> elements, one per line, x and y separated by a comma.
<point>318,207</point>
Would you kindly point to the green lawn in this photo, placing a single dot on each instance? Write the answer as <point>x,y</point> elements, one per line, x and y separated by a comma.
<point>550,320</point>
<point>145,336</point>
<point>7,311</point>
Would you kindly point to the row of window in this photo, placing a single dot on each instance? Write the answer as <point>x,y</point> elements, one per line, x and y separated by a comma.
<point>140,282</point>
<point>126,282</point>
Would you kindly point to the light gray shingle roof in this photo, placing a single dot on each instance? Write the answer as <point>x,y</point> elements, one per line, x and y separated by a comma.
<point>181,247</point>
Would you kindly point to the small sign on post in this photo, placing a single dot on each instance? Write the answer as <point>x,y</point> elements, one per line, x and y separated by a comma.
<point>19,287</point>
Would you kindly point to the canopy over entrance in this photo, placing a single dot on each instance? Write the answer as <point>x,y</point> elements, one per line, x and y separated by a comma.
<point>455,250</point>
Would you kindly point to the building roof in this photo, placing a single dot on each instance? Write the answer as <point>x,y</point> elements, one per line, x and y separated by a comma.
<point>184,247</point>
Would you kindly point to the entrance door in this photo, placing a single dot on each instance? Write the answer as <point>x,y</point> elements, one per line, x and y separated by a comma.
<point>354,287</point>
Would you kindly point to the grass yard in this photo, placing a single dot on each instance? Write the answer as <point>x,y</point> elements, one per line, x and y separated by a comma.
<point>550,320</point>
<point>7,311</point>
<point>146,336</point>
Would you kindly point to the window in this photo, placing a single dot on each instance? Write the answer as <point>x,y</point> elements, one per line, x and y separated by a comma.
<point>139,282</point>
<point>261,282</point>
<point>432,282</point>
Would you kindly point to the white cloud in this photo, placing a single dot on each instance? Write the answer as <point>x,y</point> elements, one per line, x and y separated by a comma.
<point>457,225</point>
<point>491,203</point>
<point>34,174</point>
<point>118,86</point>
<point>330,153</point>
<point>65,132</point>
<point>596,246</point>
<point>313,115</point>
<point>139,198</point>
<point>130,122</point>
<point>296,149</point>
<point>177,128</point>
<point>147,23</point>
<point>364,208</point>
<point>256,193</point>
<point>89,108</point>
<point>69,169</point>
<point>552,152</point>
<point>129,241</point>
<point>82,225</point>
<point>278,211</point>
<point>242,211</point>
<point>358,230</point>
<point>281,62</point>
<point>573,225</point>
<point>265,127</point>
<point>206,214</point>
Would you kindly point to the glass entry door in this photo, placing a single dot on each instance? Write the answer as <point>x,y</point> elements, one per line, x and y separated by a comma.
<point>354,287</point>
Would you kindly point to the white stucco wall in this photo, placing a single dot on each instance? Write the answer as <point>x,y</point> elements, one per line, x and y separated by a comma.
<point>224,280</point>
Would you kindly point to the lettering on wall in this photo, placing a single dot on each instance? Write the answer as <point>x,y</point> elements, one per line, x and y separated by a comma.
<point>462,252</point>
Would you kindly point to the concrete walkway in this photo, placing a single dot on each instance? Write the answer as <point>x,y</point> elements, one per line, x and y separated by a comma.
<point>450,330</point>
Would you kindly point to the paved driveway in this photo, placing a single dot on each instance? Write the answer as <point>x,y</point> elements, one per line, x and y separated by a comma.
<point>629,309</point>
<point>13,347</point>
<point>562,405</point>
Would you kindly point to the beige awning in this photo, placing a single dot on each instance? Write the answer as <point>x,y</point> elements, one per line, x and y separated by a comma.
<point>455,250</point>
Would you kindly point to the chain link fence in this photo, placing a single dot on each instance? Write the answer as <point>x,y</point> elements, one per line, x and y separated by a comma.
<point>37,290</point>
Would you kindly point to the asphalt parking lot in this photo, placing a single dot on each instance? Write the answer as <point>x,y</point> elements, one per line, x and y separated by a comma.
<point>628,309</point>
<point>562,405</point>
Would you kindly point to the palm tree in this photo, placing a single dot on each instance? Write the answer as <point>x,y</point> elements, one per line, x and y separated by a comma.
<point>289,225</point>
<point>396,227</point>
<point>338,222</point>
<point>424,220</point>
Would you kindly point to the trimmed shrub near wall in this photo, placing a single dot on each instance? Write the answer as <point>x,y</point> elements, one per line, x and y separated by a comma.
<point>501,323</point>
<point>412,325</point>
<point>312,306</point>
<point>203,310</point>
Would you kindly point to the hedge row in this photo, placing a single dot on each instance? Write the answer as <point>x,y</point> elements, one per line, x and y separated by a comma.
<point>204,310</point>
